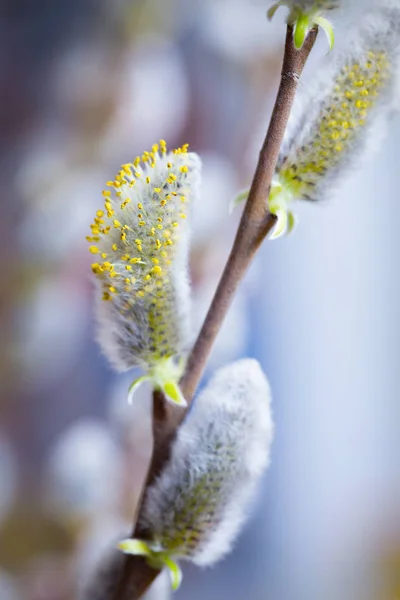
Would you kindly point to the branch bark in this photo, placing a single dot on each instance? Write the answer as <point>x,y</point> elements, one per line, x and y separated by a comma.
<point>255,224</point>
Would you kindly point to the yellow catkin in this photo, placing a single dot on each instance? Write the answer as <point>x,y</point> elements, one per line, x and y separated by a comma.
<point>339,123</point>
<point>138,236</point>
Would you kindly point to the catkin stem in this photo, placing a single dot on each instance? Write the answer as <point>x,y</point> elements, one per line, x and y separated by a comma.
<point>255,224</point>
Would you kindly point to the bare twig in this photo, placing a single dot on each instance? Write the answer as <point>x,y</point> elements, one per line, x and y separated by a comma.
<point>255,224</point>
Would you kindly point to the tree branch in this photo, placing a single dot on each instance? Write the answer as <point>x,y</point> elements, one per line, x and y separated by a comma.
<point>255,224</point>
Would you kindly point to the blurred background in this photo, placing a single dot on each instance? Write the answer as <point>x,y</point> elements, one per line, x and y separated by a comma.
<point>86,85</point>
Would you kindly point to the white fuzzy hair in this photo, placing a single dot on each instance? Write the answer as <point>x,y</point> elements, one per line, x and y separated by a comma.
<point>378,31</point>
<point>198,504</point>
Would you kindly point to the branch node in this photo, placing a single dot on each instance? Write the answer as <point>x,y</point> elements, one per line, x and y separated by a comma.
<point>291,75</point>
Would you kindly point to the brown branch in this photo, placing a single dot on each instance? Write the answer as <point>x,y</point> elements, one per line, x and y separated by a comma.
<point>255,224</point>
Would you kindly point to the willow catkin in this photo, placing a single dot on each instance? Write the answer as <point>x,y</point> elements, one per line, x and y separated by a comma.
<point>198,504</point>
<point>342,113</point>
<point>140,242</point>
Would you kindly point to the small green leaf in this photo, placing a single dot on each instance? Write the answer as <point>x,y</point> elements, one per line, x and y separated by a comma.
<point>135,547</point>
<point>301,29</point>
<point>281,224</point>
<point>174,571</point>
<point>328,28</point>
<point>135,385</point>
<point>241,197</point>
<point>291,222</point>
<point>271,12</point>
<point>173,393</point>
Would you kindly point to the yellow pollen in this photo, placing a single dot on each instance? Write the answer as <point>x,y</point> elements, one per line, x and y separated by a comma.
<point>184,169</point>
<point>93,249</point>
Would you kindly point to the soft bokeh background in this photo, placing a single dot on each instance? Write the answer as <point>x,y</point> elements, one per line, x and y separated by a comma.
<point>85,86</point>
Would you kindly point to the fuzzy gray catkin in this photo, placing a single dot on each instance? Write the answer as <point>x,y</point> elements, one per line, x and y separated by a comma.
<point>346,109</point>
<point>198,504</point>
